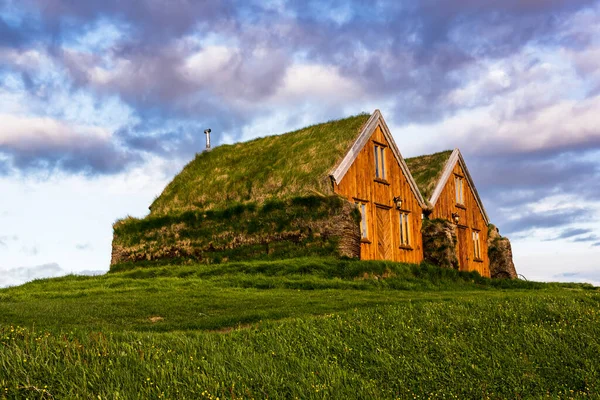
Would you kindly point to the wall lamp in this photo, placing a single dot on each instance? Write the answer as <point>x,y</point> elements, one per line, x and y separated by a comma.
<point>455,217</point>
<point>398,202</point>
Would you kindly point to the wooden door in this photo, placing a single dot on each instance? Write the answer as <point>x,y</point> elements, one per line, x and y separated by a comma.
<point>384,233</point>
<point>462,249</point>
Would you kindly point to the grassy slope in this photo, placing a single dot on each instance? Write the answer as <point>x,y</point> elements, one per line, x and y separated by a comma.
<point>224,295</point>
<point>427,170</point>
<point>282,166</point>
<point>316,331</point>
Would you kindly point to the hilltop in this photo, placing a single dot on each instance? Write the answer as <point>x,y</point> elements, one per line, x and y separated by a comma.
<point>306,328</point>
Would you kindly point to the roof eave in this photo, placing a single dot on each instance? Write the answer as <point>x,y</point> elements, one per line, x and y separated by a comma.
<point>446,172</point>
<point>343,166</point>
<point>473,188</point>
<point>455,157</point>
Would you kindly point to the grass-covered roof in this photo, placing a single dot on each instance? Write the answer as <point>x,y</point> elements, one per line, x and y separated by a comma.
<point>427,170</point>
<point>293,164</point>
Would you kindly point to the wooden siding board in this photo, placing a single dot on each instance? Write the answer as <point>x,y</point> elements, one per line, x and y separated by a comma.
<point>384,239</point>
<point>359,182</point>
<point>471,218</point>
<point>462,250</point>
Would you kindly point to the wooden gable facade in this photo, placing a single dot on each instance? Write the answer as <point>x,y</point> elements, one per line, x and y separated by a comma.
<point>455,199</point>
<point>374,176</point>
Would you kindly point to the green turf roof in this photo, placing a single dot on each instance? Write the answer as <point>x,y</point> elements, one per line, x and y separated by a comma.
<point>427,170</point>
<point>282,166</point>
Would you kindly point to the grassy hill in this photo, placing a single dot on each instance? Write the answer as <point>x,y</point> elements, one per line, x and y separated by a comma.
<point>299,328</point>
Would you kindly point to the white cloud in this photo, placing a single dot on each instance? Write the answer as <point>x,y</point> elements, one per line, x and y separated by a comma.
<point>24,132</point>
<point>560,125</point>
<point>46,144</point>
<point>6,239</point>
<point>557,263</point>
<point>587,64</point>
<point>100,36</point>
<point>211,65</point>
<point>229,72</point>
<point>83,246</point>
<point>493,79</point>
<point>56,213</point>
<point>121,69</point>
<point>20,275</point>
<point>29,59</point>
<point>31,250</point>
<point>318,83</point>
<point>534,100</point>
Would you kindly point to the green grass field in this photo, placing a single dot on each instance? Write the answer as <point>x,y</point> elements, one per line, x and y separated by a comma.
<point>301,328</point>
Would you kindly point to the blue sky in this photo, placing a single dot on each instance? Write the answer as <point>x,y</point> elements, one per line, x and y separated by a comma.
<point>103,102</point>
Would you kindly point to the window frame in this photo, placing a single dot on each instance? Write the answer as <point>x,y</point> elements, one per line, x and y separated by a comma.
<point>459,190</point>
<point>364,225</point>
<point>476,245</point>
<point>404,234</point>
<point>380,164</point>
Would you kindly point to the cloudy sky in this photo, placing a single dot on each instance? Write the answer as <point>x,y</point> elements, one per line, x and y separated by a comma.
<point>103,101</point>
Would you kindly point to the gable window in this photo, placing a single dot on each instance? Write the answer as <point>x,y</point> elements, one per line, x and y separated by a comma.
<point>362,207</point>
<point>405,238</point>
<point>460,190</point>
<point>476,246</point>
<point>379,161</point>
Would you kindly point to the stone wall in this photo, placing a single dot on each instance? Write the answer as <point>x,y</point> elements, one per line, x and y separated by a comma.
<point>439,243</point>
<point>500,253</point>
<point>298,227</point>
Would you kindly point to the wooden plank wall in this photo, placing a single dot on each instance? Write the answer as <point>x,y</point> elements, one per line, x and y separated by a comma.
<point>359,183</point>
<point>470,217</point>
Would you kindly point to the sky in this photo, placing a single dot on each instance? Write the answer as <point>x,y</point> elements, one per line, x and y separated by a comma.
<point>102,102</point>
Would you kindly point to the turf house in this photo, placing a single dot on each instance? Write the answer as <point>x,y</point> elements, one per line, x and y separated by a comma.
<point>339,188</point>
<point>456,219</point>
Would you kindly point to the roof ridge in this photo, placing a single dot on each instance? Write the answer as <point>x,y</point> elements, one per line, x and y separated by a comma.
<point>376,119</point>
<point>430,154</point>
<point>456,157</point>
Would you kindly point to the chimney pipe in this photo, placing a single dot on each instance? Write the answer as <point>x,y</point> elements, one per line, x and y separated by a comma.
<point>207,132</point>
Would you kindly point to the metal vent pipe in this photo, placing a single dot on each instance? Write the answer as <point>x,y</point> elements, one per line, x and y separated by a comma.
<point>207,133</point>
